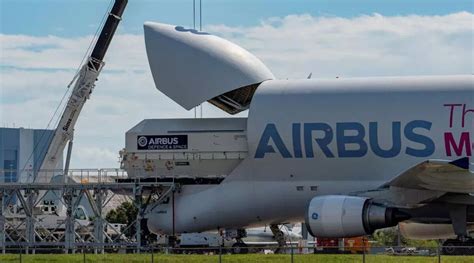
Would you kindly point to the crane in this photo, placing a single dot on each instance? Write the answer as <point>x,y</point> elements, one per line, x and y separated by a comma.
<point>83,87</point>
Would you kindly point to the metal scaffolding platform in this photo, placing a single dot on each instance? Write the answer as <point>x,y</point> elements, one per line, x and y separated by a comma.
<point>29,222</point>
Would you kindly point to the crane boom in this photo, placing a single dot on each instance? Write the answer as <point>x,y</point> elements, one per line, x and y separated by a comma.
<point>83,87</point>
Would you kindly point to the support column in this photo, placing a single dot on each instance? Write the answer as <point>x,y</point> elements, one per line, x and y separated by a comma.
<point>69,234</point>
<point>28,206</point>
<point>100,195</point>
<point>304,231</point>
<point>2,221</point>
<point>138,191</point>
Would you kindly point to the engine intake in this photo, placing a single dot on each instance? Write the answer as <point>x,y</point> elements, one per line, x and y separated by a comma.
<point>349,216</point>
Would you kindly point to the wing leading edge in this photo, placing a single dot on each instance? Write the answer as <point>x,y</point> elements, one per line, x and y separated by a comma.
<point>437,175</point>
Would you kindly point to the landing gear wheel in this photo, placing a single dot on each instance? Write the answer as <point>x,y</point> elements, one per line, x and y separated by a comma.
<point>240,248</point>
<point>470,249</point>
<point>449,247</point>
<point>458,247</point>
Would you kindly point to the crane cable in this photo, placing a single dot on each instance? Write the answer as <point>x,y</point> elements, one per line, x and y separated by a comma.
<point>61,102</point>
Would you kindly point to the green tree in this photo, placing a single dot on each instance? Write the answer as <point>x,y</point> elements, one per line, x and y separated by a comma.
<point>389,237</point>
<point>386,236</point>
<point>126,213</point>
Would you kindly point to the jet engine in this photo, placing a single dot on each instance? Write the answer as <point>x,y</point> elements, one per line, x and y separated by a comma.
<point>349,216</point>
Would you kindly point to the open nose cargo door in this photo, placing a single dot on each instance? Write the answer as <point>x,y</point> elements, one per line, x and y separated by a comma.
<point>192,67</point>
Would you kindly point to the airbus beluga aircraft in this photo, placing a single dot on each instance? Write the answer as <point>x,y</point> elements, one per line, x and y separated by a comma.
<point>347,156</point>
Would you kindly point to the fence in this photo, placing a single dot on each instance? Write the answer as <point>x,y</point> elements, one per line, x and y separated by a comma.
<point>79,175</point>
<point>253,254</point>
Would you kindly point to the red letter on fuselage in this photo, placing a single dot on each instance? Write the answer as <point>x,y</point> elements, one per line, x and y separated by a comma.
<point>464,142</point>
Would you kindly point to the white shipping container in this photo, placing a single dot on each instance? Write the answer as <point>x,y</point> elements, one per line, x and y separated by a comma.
<point>185,147</point>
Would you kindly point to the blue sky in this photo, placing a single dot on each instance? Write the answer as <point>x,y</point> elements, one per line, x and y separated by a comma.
<point>81,17</point>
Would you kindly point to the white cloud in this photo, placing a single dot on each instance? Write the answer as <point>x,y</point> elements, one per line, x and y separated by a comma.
<point>36,70</point>
<point>95,156</point>
<point>371,45</point>
<point>127,52</point>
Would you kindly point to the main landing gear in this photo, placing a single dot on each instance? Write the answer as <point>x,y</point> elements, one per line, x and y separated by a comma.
<point>239,247</point>
<point>464,244</point>
<point>460,246</point>
<point>279,237</point>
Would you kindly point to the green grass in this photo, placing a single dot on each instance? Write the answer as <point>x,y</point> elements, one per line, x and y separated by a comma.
<point>142,258</point>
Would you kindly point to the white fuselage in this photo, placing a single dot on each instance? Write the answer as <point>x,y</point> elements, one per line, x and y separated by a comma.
<point>318,137</point>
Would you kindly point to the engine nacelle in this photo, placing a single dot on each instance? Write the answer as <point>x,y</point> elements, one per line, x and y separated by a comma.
<point>348,216</point>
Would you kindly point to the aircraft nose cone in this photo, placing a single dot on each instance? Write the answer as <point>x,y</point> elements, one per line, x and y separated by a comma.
<point>160,220</point>
<point>191,67</point>
<point>147,25</point>
<point>152,28</point>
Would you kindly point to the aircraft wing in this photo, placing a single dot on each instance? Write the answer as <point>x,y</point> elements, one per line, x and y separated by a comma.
<point>425,182</point>
<point>437,175</point>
